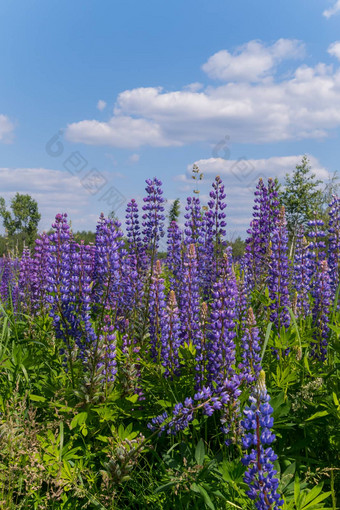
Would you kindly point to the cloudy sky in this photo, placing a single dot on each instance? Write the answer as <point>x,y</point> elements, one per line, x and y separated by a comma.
<point>97,96</point>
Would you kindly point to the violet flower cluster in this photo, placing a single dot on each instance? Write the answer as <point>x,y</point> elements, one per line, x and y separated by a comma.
<point>260,475</point>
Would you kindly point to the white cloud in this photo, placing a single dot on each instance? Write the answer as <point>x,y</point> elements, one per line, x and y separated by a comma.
<point>333,10</point>
<point>101,105</point>
<point>193,87</point>
<point>240,178</point>
<point>247,171</point>
<point>252,61</point>
<point>6,129</point>
<point>134,158</point>
<point>305,104</point>
<point>55,191</point>
<point>120,131</point>
<point>334,49</point>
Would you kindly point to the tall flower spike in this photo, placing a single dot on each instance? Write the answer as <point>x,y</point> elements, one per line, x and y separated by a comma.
<point>190,299</point>
<point>215,232</point>
<point>40,273</point>
<point>222,324</point>
<point>250,343</point>
<point>260,475</point>
<point>109,243</point>
<point>153,217</point>
<point>202,348</point>
<point>7,285</point>
<point>194,232</point>
<point>301,275</point>
<point>194,224</point>
<point>157,313</point>
<point>134,235</point>
<point>317,246</point>
<point>171,337</point>
<point>266,209</point>
<point>25,281</point>
<point>278,274</point>
<point>174,255</point>
<point>61,288</point>
<point>322,300</point>
<point>334,243</point>
<point>108,342</point>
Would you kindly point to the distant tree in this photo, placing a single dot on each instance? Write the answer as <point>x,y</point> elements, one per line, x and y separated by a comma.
<point>85,235</point>
<point>23,219</point>
<point>174,211</point>
<point>331,188</point>
<point>238,247</point>
<point>301,196</point>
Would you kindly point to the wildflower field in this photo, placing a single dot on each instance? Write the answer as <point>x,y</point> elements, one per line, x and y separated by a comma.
<point>196,380</point>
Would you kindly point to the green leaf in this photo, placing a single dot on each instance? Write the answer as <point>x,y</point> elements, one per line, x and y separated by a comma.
<point>200,452</point>
<point>132,399</point>
<point>37,398</point>
<point>206,497</point>
<point>268,330</point>
<point>319,414</point>
<point>79,419</point>
<point>165,487</point>
<point>164,403</point>
<point>296,489</point>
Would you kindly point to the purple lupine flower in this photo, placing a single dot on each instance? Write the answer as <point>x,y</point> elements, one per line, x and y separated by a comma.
<point>266,210</point>
<point>278,274</point>
<point>82,281</point>
<point>174,255</point>
<point>134,234</point>
<point>250,366</point>
<point>69,288</point>
<point>215,231</point>
<point>189,299</point>
<point>207,400</point>
<point>157,313</point>
<point>334,243</point>
<point>202,346</point>
<point>322,294</point>
<point>194,232</point>
<point>132,290</point>
<point>60,297</point>
<point>194,222</point>
<point>171,337</point>
<point>301,276</point>
<point>25,280</point>
<point>40,273</point>
<point>153,217</point>
<point>317,246</point>
<point>107,365</point>
<point>222,324</point>
<point>242,302</point>
<point>109,243</point>
<point>260,475</point>
<point>7,285</point>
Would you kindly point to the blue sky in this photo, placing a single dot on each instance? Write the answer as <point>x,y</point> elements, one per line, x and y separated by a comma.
<point>137,89</point>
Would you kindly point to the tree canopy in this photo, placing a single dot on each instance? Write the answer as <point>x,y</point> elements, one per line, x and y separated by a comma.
<point>301,196</point>
<point>23,218</point>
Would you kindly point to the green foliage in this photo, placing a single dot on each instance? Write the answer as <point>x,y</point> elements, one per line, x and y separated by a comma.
<point>85,235</point>
<point>238,247</point>
<point>60,450</point>
<point>174,211</point>
<point>301,196</point>
<point>24,217</point>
